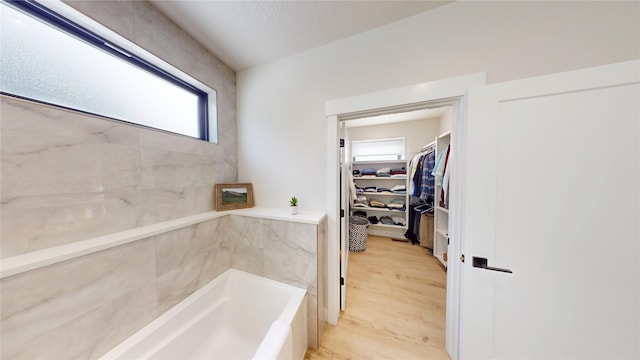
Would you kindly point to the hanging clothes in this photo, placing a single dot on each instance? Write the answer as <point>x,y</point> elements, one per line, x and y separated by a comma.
<point>427,187</point>
<point>421,189</point>
<point>414,165</point>
<point>444,195</point>
<point>438,169</point>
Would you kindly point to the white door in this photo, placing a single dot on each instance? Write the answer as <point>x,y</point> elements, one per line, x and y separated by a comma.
<point>552,193</point>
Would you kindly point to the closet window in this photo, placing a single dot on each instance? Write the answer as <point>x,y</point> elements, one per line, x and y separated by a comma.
<point>378,150</point>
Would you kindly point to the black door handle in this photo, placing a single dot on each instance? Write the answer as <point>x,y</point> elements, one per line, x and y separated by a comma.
<point>483,263</point>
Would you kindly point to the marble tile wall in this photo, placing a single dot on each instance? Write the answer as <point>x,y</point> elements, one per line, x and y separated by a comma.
<point>83,307</point>
<point>66,176</point>
<point>284,251</point>
<point>187,259</point>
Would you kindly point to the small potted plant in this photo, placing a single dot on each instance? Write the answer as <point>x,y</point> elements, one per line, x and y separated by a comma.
<point>293,205</point>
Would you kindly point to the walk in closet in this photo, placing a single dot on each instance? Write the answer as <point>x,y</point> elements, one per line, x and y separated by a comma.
<point>403,192</point>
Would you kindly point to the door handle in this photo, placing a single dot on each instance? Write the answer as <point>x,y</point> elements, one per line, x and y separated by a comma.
<point>483,263</point>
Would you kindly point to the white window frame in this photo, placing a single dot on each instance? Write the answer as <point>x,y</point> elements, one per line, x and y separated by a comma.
<point>381,156</point>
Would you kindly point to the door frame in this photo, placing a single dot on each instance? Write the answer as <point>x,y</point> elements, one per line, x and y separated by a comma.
<point>447,92</point>
<point>344,224</point>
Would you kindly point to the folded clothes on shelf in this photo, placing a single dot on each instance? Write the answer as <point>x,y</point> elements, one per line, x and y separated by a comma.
<point>369,171</point>
<point>386,220</point>
<point>396,204</point>
<point>360,201</point>
<point>398,188</point>
<point>360,213</point>
<point>392,220</point>
<point>383,172</point>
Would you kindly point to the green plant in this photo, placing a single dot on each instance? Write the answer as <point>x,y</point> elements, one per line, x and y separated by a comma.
<point>293,201</point>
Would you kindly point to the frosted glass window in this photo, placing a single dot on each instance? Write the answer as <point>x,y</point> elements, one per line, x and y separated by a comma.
<point>375,150</point>
<point>41,62</point>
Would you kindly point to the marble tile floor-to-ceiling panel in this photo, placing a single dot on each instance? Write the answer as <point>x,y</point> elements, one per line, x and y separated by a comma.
<point>175,184</point>
<point>69,177</point>
<point>65,177</point>
<point>31,223</point>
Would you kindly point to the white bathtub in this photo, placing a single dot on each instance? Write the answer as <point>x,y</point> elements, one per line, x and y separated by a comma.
<point>236,316</point>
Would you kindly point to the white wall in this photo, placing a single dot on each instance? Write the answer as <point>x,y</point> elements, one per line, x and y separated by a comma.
<point>445,122</point>
<point>281,105</point>
<point>416,133</point>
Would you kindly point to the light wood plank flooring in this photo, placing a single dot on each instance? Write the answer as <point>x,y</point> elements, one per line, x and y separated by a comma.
<point>395,306</point>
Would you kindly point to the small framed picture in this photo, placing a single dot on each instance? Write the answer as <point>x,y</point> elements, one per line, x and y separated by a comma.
<point>234,196</point>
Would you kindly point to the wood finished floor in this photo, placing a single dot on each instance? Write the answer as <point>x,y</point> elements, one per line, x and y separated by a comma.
<point>395,306</point>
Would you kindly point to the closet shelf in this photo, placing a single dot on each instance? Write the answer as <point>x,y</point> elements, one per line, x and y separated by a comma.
<point>376,209</point>
<point>380,178</point>
<point>381,162</point>
<point>362,182</point>
<point>388,226</point>
<point>380,194</point>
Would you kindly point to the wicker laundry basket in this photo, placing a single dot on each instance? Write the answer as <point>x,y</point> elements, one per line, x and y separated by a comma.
<point>358,233</point>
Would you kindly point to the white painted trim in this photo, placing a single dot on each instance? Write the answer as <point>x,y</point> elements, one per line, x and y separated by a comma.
<point>333,218</point>
<point>456,215</point>
<point>437,93</point>
<point>440,89</point>
<point>37,259</point>
<point>282,214</point>
<point>569,81</point>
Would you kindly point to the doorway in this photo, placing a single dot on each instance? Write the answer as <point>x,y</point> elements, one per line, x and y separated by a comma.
<point>396,145</point>
<point>449,92</point>
<point>400,204</point>
<point>420,127</point>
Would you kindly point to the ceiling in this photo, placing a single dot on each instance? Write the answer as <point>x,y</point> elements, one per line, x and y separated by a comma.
<point>244,34</point>
<point>424,114</point>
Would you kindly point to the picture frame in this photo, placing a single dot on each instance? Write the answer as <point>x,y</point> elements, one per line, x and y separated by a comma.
<point>233,196</point>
